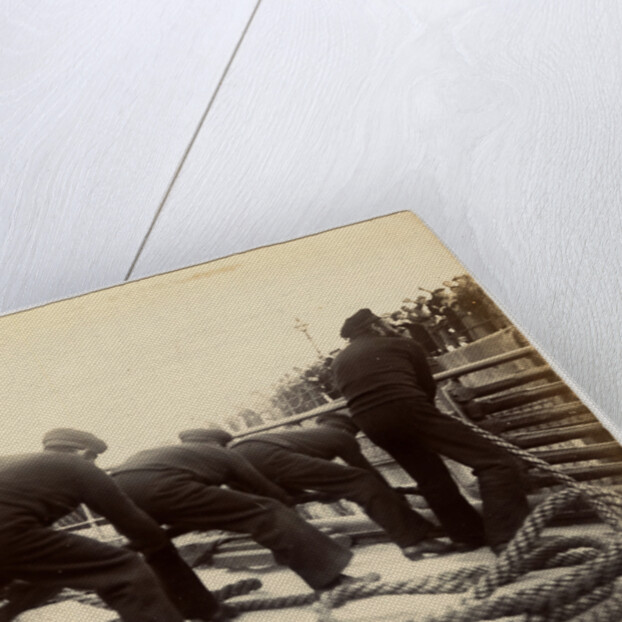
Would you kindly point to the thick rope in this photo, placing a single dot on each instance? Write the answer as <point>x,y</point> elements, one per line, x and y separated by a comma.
<point>461,580</point>
<point>277,602</point>
<point>446,583</point>
<point>586,591</point>
<point>545,597</point>
<point>605,611</point>
<point>608,503</point>
<point>579,606</point>
<point>591,590</point>
<point>239,588</point>
<point>295,600</point>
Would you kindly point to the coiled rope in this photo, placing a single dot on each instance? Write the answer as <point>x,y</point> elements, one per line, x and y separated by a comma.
<point>590,592</point>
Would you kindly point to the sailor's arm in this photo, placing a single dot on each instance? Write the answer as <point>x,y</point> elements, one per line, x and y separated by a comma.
<point>422,370</point>
<point>101,494</point>
<point>249,479</point>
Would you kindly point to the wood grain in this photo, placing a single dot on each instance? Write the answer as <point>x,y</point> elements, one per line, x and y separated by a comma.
<point>98,102</point>
<point>498,123</point>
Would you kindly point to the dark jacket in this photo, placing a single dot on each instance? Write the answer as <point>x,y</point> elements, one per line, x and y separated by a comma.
<point>204,463</point>
<point>322,442</point>
<point>372,371</point>
<point>38,489</point>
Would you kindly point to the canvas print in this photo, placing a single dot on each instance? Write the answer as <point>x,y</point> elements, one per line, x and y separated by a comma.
<point>342,427</point>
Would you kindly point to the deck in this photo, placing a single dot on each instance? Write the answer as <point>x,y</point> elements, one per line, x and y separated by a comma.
<point>383,558</point>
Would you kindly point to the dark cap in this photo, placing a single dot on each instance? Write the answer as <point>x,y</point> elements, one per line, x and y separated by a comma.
<point>336,420</point>
<point>355,323</point>
<point>68,437</point>
<point>205,435</point>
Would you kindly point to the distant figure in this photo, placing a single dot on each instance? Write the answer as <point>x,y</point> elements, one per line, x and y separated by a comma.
<point>415,329</point>
<point>300,460</point>
<point>390,391</point>
<point>36,490</point>
<point>180,485</point>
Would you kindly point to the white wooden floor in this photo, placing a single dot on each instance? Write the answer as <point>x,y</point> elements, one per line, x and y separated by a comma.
<point>139,137</point>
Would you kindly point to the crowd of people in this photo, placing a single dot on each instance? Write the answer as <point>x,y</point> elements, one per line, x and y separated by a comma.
<point>448,317</point>
<point>439,320</point>
<point>209,480</point>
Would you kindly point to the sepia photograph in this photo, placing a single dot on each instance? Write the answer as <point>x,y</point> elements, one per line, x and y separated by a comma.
<point>341,427</point>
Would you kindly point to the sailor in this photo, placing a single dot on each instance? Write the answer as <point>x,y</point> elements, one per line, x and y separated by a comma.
<point>390,392</point>
<point>180,485</point>
<point>302,460</point>
<point>37,489</point>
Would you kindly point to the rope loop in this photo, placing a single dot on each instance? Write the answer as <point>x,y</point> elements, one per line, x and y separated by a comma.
<point>591,591</point>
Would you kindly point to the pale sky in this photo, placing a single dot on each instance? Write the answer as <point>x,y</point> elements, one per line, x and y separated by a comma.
<point>135,364</point>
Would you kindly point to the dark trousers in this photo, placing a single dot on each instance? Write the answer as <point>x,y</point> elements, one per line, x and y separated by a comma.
<point>298,472</point>
<point>182,586</point>
<point>49,560</point>
<point>183,503</point>
<point>414,432</point>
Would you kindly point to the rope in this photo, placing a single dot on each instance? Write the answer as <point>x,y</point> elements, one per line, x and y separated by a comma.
<point>239,588</point>
<point>608,503</point>
<point>587,590</point>
<point>461,581</point>
<point>581,605</point>
<point>590,592</point>
<point>445,583</point>
<point>278,602</point>
<point>545,602</point>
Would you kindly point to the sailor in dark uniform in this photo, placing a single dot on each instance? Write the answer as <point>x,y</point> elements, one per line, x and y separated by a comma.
<point>300,460</point>
<point>180,486</point>
<point>36,490</point>
<point>390,392</point>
